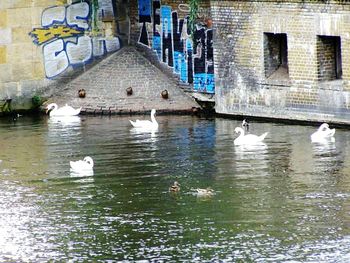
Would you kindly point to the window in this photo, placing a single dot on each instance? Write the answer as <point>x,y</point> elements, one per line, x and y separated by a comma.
<point>329,63</point>
<point>276,56</point>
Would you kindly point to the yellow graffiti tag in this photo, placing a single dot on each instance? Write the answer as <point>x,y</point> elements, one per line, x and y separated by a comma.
<point>43,35</point>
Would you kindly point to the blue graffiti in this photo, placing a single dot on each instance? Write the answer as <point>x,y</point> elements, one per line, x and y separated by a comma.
<point>204,82</point>
<point>145,12</point>
<point>165,18</point>
<point>157,46</point>
<point>193,62</point>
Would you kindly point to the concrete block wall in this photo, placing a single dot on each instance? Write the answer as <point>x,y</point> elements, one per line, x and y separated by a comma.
<point>243,88</point>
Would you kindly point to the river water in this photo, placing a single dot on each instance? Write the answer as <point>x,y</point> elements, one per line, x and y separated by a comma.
<point>285,201</point>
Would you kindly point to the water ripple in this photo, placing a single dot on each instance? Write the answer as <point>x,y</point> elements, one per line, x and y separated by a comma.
<point>286,200</point>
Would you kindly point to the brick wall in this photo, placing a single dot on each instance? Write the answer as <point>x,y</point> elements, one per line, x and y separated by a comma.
<point>161,32</point>
<point>309,88</point>
<point>326,58</point>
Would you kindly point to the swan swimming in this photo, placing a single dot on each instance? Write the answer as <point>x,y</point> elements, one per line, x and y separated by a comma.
<point>66,110</point>
<point>146,124</point>
<point>82,166</point>
<point>323,132</point>
<point>243,139</point>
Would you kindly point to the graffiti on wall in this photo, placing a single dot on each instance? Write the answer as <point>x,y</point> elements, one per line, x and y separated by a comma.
<point>65,39</point>
<point>191,57</point>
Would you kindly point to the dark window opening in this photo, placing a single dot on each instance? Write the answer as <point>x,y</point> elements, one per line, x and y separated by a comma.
<point>329,62</point>
<point>276,56</point>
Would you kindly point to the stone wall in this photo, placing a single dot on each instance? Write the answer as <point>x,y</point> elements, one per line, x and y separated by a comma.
<point>45,44</point>
<point>20,61</point>
<point>308,79</point>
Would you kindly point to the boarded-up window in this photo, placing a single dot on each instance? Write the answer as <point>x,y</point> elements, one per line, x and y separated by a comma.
<point>329,63</point>
<point>276,56</point>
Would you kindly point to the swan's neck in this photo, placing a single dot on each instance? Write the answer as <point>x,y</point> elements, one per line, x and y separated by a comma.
<point>323,128</point>
<point>153,119</point>
<point>241,132</point>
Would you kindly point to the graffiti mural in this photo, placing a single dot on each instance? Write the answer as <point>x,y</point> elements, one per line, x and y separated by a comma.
<point>64,35</point>
<point>190,56</point>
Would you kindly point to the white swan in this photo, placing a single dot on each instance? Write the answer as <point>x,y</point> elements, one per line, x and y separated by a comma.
<point>66,110</point>
<point>249,138</point>
<point>146,124</point>
<point>323,132</point>
<point>82,166</point>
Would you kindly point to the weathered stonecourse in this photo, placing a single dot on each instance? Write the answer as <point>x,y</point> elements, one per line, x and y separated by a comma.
<point>285,59</point>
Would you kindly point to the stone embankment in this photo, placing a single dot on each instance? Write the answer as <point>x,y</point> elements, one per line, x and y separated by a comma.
<point>106,83</point>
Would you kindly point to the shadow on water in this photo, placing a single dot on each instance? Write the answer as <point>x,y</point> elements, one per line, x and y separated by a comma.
<point>286,199</point>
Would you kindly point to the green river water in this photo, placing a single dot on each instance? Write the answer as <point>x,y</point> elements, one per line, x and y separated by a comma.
<point>285,201</point>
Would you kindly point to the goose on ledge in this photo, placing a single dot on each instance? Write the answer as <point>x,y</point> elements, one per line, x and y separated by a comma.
<point>323,132</point>
<point>146,124</point>
<point>66,110</point>
<point>249,139</point>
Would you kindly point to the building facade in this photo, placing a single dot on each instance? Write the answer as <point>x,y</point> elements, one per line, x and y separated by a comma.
<point>285,59</point>
<point>282,59</point>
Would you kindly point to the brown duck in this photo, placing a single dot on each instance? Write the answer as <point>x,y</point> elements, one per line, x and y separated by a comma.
<point>175,187</point>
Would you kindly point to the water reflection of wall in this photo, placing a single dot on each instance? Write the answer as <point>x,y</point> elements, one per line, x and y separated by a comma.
<point>21,149</point>
<point>311,161</point>
<point>189,147</point>
<point>64,138</point>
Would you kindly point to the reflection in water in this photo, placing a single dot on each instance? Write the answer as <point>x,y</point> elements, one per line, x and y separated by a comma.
<point>65,120</point>
<point>147,139</point>
<point>87,176</point>
<point>146,135</point>
<point>325,155</point>
<point>284,200</point>
<point>65,138</point>
<point>20,148</point>
<point>252,157</point>
<point>324,145</point>
<point>84,173</point>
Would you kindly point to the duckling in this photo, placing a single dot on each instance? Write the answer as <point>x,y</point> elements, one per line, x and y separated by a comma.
<point>245,125</point>
<point>165,94</point>
<point>129,91</point>
<point>205,192</point>
<point>82,93</point>
<point>175,187</point>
